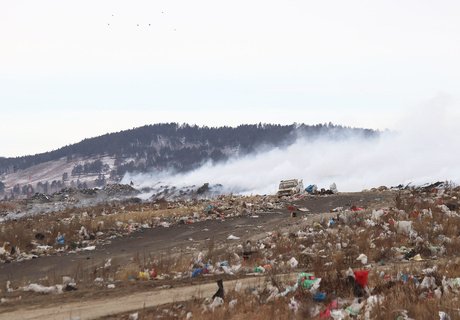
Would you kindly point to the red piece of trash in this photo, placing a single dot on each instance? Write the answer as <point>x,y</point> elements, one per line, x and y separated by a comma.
<point>361,277</point>
<point>325,314</point>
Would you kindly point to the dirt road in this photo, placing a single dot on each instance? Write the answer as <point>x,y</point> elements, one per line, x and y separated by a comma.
<point>99,308</point>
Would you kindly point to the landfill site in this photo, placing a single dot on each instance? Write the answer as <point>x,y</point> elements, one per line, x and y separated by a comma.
<point>302,253</point>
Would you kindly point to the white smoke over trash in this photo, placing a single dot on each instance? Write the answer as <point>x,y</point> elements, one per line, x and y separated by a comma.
<point>424,148</point>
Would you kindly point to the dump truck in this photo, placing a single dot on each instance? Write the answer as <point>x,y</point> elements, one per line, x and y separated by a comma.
<point>290,187</point>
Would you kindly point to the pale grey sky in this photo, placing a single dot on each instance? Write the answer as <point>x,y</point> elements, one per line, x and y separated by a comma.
<point>76,69</point>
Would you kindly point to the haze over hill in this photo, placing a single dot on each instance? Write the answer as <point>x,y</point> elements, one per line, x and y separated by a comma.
<point>250,158</point>
<point>156,149</point>
<point>424,149</point>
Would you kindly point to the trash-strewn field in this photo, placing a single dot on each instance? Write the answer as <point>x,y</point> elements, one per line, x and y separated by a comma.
<point>379,254</point>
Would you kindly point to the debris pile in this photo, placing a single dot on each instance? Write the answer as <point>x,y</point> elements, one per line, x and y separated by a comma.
<point>120,190</point>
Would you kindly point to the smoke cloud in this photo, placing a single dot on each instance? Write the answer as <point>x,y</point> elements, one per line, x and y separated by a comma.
<point>423,148</point>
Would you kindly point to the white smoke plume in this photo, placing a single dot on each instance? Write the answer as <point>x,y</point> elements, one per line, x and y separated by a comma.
<point>424,148</point>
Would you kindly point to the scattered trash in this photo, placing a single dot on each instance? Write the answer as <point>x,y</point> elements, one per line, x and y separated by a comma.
<point>143,275</point>
<point>8,287</point>
<point>90,248</point>
<point>108,263</point>
<point>217,302</point>
<point>293,263</point>
<point>420,229</point>
<point>259,269</point>
<point>362,258</point>
<point>403,227</point>
<point>333,188</point>
<point>293,305</point>
<point>134,316</point>
<point>57,289</point>
<point>232,304</point>
<point>307,280</point>
<point>417,257</point>
<point>311,189</point>
<point>196,272</point>
<point>60,239</point>
<point>361,277</point>
<point>319,296</point>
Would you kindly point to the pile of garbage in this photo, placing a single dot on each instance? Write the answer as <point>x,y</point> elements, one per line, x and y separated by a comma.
<point>192,192</point>
<point>40,197</point>
<point>69,198</point>
<point>312,189</point>
<point>120,190</point>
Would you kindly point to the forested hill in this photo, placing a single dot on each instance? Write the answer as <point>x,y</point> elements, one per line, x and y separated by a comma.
<point>181,147</point>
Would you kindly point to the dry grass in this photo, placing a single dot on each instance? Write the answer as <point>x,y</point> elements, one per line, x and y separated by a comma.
<point>8,206</point>
<point>247,307</point>
<point>407,297</point>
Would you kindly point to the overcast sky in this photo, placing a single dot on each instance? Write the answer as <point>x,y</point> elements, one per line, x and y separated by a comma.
<point>76,69</point>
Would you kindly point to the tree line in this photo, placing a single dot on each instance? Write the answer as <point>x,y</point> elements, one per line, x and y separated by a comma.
<point>177,146</point>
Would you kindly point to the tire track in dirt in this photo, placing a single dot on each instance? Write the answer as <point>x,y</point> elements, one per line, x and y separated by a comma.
<point>95,309</point>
